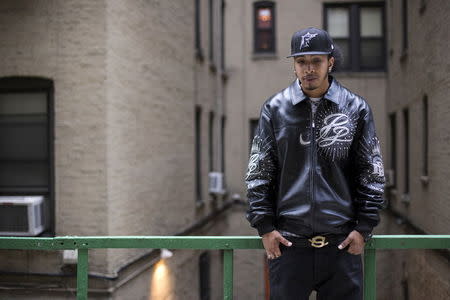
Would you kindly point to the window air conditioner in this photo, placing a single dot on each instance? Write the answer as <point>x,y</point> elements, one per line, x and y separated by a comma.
<point>390,179</point>
<point>21,215</point>
<point>216,183</point>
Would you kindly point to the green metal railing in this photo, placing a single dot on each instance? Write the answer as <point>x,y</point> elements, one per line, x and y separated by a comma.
<point>227,243</point>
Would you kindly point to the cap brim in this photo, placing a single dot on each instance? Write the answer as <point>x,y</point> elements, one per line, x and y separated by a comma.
<point>308,53</point>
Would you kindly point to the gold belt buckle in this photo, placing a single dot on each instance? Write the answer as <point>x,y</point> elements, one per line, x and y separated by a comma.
<point>318,241</point>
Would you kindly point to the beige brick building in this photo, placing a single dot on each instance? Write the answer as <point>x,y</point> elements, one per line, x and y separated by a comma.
<point>142,99</point>
<point>417,139</point>
<point>118,85</point>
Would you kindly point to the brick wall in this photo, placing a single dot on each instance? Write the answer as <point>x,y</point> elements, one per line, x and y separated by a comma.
<point>419,274</point>
<point>150,116</point>
<point>422,70</point>
<point>65,41</point>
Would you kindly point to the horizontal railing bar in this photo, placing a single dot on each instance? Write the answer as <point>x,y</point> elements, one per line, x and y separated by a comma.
<point>409,242</point>
<point>203,242</point>
<point>157,242</point>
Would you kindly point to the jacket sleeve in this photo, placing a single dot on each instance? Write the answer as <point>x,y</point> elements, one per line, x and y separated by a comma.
<point>261,176</point>
<point>369,179</point>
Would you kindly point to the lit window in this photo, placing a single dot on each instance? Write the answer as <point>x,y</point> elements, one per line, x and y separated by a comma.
<point>264,18</point>
<point>264,26</point>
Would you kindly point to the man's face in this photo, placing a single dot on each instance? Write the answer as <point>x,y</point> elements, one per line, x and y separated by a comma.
<point>312,71</point>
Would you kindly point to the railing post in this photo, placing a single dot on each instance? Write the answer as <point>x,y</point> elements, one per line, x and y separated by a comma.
<point>228,274</point>
<point>82,274</point>
<point>370,275</point>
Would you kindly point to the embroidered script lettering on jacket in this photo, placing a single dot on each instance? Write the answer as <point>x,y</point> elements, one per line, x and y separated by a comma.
<point>253,162</point>
<point>334,130</point>
<point>334,134</point>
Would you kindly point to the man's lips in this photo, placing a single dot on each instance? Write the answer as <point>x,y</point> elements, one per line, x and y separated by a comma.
<point>310,78</point>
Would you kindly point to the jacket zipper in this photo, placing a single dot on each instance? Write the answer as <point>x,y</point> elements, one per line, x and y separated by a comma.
<point>313,162</point>
<point>313,147</point>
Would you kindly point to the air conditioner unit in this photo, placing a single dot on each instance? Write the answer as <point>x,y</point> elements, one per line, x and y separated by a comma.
<point>390,178</point>
<point>216,183</point>
<point>21,215</point>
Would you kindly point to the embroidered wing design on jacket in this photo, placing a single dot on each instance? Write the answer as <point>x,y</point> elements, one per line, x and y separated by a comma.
<point>261,176</point>
<point>369,179</point>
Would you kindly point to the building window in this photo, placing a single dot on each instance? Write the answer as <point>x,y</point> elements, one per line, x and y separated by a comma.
<point>222,144</point>
<point>222,35</point>
<point>404,26</point>
<point>211,31</point>
<point>423,7</point>
<point>393,145</point>
<point>26,141</point>
<point>358,30</point>
<point>253,127</point>
<point>211,141</point>
<point>264,27</point>
<point>425,136</point>
<point>406,147</point>
<point>204,272</point>
<point>198,39</point>
<point>198,153</point>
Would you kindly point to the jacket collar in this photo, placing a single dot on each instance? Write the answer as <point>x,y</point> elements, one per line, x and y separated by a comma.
<point>332,93</point>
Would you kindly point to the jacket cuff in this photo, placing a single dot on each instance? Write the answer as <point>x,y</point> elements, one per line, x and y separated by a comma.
<point>264,226</point>
<point>364,228</point>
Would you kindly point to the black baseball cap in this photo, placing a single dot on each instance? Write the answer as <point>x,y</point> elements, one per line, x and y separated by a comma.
<point>311,41</point>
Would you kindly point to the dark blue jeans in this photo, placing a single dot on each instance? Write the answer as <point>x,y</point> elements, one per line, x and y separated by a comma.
<point>334,274</point>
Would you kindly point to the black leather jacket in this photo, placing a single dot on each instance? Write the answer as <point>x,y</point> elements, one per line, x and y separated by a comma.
<point>332,183</point>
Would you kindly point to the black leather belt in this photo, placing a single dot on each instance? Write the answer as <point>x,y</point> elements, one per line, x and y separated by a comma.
<point>317,241</point>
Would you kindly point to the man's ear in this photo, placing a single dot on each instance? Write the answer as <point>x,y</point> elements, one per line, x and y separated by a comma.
<point>331,62</point>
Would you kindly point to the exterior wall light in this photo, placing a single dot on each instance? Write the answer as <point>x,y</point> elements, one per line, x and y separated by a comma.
<point>166,253</point>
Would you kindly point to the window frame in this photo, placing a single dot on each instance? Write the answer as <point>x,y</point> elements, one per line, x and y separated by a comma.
<point>198,154</point>
<point>404,19</point>
<point>211,120</point>
<point>425,136</point>
<point>393,145</point>
<point>211,31</point>
<point>37,85</point>
<point>264,4</point>
<point>222,35</point>
<point>406,150</point>
<point>204,267</point>
<point>198,32</point>
<point>223,123</point>
<point>355,33</point>
<point>253,129</point>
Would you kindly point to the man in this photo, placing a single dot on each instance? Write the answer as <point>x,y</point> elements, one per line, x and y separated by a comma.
<point>315,178</point>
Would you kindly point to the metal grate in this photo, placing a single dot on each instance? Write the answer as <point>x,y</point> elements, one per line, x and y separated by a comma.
<point>13,218</point>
